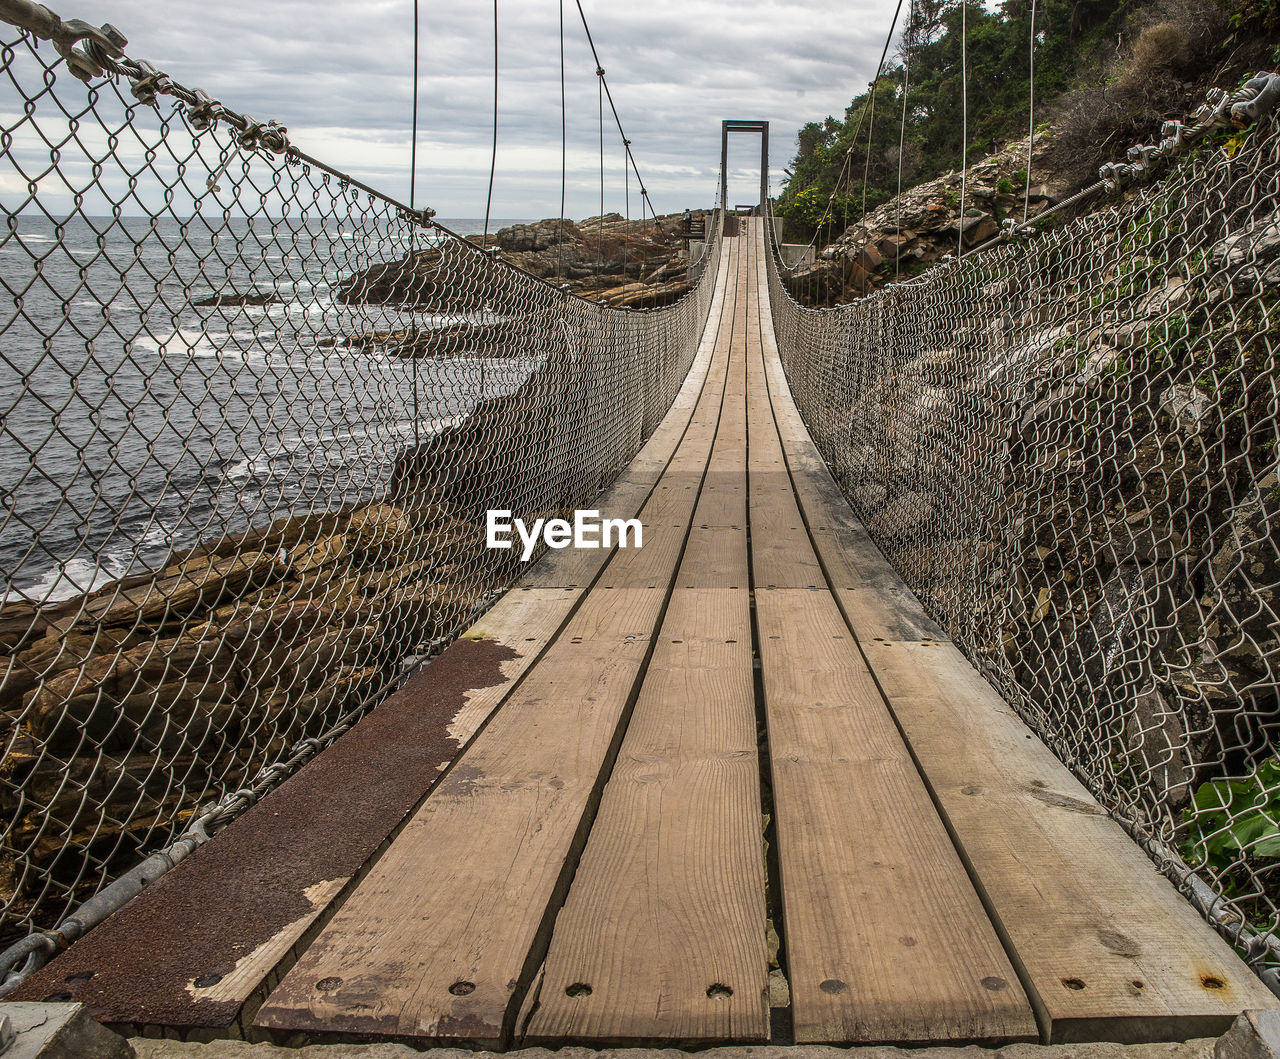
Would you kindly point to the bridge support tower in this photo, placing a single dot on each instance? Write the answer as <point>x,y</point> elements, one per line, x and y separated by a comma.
<point>726,127</point>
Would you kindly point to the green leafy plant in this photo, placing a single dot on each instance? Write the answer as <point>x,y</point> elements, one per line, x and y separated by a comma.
<point>1230,819</point>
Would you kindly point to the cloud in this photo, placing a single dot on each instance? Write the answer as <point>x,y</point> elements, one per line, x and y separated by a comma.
<point>339,76</point>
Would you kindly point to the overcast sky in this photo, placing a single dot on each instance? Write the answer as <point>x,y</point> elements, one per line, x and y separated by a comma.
<point>338,74</point>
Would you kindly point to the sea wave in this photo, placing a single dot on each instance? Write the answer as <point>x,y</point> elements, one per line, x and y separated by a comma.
<point>68,578</point>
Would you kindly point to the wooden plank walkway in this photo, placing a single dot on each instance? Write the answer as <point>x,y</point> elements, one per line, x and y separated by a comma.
<point>592,866</point>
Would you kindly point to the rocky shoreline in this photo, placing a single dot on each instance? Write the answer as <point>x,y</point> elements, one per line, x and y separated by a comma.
<point>128,707</point>
<point>149,696</point>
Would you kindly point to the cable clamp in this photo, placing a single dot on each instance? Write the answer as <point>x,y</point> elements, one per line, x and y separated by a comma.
<point>1010,229</point>
<point>150,83</point>
<point>1173,137</point>
<point>1141,160</point>
<point>205,111</point>
<point>422,217</point>
<point>1114,175</point>
<point>1263,92</point>
<point>269,136</point>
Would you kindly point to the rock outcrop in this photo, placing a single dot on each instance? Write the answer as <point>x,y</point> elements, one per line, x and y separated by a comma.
<point>608,259</point>
<point>1073,459</point>
<point>918,228</point>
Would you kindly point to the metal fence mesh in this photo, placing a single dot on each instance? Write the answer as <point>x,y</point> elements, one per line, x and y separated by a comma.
<point>249,434</point>
<point>1067,446</point>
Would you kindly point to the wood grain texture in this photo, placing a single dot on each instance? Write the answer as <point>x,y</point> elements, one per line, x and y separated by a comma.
<point>662,938</point>
<point>1111,947</point>
<point>458,899</point>
<point>869,589</point>
<point>525,620</point>
<point>665,923</point>
<point>886,938</point>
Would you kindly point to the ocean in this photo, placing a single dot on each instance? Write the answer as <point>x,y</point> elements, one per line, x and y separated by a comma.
<point>133,423</point>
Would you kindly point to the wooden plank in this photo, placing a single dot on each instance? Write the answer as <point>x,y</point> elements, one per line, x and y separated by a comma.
<point>886,939</point>
<point>716,557</point>
<point>662,938</point>
<point>781,555</point>
<point>525,620</point>
<point>433,942</point>
<point>262,886</point>
<point>667,514</point>
<point>1113,950</point>
<point>440,939</point>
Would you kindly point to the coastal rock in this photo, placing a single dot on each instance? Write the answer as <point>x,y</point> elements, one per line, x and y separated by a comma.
<point>919,227</point>
<point>1258,240</point>
<point>599,255</point>
<point>1188,407</point>
<point>180,590</point>
<point>231,298</point>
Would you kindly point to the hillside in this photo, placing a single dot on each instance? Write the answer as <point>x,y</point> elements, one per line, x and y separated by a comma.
<point>1107,73</point>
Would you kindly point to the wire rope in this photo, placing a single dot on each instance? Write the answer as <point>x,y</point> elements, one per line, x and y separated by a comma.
<point>493,158</point>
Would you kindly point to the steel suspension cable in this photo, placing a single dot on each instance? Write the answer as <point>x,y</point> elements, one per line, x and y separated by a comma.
<point>564,156</point>
<point>413,173</point>
<point>964,122</point>
<point>626,199</point>
<point>600,219</point>
<point>853,142</point>
<point>493,158</point>
<point>902,136</point>
<point>871,132</point>
<point>644,191</point>
<point>1031,112</point>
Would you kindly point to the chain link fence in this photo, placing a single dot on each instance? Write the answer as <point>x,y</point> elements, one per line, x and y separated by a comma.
<point>1067,447</point>
<point>252,414</point>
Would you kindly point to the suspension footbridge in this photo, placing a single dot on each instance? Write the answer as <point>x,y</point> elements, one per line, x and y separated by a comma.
<point>934,707</point>
<point>590,867</point>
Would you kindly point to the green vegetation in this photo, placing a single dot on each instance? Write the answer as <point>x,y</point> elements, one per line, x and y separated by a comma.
<point>998,91</point>
<point>1106,73</point>
<point>1231,819</point>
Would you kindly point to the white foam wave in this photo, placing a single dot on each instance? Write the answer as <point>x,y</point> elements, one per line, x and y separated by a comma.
<point>201,345</point>
<point>67,579</point>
